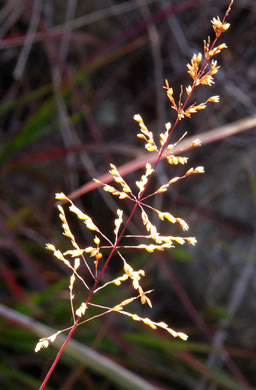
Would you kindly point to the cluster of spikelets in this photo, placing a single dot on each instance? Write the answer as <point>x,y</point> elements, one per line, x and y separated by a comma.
<point>202,71</point>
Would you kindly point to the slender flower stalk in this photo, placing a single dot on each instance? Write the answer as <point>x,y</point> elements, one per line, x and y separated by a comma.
<point>201,74</point>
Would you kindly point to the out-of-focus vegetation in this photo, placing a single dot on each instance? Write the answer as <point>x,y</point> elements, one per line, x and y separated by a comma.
<point>73,74</point>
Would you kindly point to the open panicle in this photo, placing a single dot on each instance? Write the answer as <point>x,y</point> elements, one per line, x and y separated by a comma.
<point>202,69</point>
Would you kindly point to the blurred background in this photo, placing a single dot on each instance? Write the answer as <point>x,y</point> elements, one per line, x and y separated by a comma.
<point>73,74</point>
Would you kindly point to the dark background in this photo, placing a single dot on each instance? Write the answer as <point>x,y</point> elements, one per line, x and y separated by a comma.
<point>73,74</point>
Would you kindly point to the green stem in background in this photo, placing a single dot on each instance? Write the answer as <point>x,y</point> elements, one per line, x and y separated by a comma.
<point>81,353</point>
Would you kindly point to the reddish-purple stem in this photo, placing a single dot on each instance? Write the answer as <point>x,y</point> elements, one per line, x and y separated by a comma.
<point>49,373</point>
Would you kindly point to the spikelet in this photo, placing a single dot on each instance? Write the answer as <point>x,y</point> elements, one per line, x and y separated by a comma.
<point>85,218</point>
<point>219,26</point>
<point>191,171</point>
<point>175,160</point>
<point>81,310</point>
<point>61,196</point>
<point>196,143</point>
<point>44,342</point>
<point>118,179</point>
<point>58,254</point>
<point>155,325</point>
<point>164,136</point>
<point>193,67</point>
<point>65,226</point>
<point>119,307</point>
<point>74,252</point>
<point>164,187</point>
<point>71,285</point>
<point>208,53</point>
<point>150,248</point>
<point>136,276</point>
<point>145,134</point>
<point>189,89</point>
<point>196,170</point>
<point>95,252</point>
<point>144,178</point>
<point>169,92</point>
<point>67,231</point>
<point>199,76</point>
<point>172,146</point>
<point>112,190</point>
<point>149,226</point>
<point>118,221</point>
<point>118,281</point>
<point>194,108</point>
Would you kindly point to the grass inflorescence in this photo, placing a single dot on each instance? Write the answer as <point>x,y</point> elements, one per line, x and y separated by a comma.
<point>202,70</point>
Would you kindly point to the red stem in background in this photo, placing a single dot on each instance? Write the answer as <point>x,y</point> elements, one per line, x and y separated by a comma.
<point>56,33</point>
<point>10,279</point>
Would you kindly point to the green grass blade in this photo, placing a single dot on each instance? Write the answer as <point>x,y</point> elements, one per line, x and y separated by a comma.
<point>82,354</point>
<point>34,129</point>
